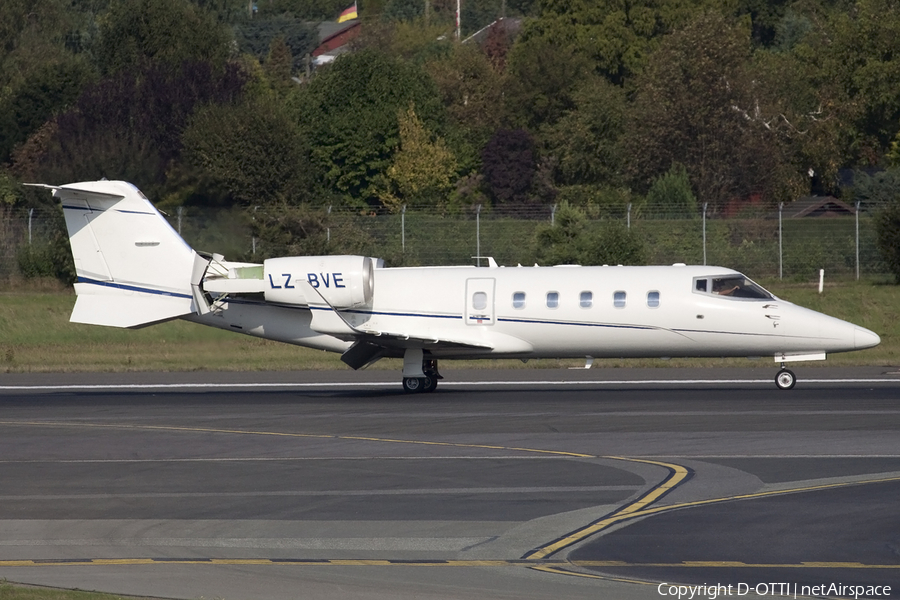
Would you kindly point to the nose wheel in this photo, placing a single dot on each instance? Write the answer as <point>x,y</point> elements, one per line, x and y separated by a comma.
<point>785,379</point>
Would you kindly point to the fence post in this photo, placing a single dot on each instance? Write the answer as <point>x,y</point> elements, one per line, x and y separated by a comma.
<point>30,215</point>
<point>553,215</point>
<point>253,238</point>
<point>705,204</point>
<point>180,210</point>
<point>328,229</point>
<point>403,229</point>
<point>478,235</point>
<point>628,217</point>
<point>780,248</point>
<point>857,240</point>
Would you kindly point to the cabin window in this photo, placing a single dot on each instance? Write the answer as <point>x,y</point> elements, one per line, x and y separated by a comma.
<point>479,300</point>
<point>700,285</point>
<point>653,299</point>
<point>586,300</point>
<point>519,300</point>
<point>619,299</point>
<point>552,299</point>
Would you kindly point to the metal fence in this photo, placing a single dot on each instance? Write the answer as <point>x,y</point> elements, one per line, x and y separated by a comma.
<point>763,246</point>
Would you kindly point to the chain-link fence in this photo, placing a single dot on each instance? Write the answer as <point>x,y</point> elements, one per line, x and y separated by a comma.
<point>764,246</point>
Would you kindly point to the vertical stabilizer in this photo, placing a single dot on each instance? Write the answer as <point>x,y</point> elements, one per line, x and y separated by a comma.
<point>133,269</point>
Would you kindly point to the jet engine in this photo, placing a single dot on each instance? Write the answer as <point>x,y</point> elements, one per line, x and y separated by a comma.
<point>344,281</point>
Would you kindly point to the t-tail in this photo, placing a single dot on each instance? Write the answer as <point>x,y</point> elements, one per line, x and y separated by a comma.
<point>132,268</point>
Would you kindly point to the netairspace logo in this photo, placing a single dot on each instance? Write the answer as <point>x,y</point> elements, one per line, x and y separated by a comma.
<point>711,592</point>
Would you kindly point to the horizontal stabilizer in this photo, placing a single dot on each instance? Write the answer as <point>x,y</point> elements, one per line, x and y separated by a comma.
<point>128,311</point>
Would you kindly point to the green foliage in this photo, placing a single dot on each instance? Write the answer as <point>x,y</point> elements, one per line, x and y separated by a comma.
<point>134,32</point>
<point>255,37</point>
<point>349,113</point>
<point>44,91</point>
<point>10,190</point>
<point>697,104</point>
<point>304,230</point>
<point>615,38</point>
<point>49,257</point>
<point>423,169</point>
<point>542,79</point>
<point>586,141</point>
<point>252,151</point>
<point>599,201</point>
<point>876,189</point>
<point>472,92</point>
<point>509,166</point>
<point>573,240</point>
<point>855,56</point>
<point>304,10</point>
<point>128,126</point>
<point>887,227</point>
<point>670,195</point>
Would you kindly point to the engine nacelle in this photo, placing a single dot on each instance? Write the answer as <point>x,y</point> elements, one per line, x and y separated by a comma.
<point>344,281</point>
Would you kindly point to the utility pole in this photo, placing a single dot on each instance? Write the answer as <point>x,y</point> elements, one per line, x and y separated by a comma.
<point>458,13</point>
<point>428,11</point>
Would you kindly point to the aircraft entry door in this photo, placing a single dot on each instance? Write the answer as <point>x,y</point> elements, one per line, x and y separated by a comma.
<point>479,301</point>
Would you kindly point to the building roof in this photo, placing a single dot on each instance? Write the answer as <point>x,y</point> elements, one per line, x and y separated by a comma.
<point>817,206</point>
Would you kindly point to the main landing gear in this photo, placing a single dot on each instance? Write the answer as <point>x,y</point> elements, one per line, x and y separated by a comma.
<point>785,379</point>
<point>428,383</point>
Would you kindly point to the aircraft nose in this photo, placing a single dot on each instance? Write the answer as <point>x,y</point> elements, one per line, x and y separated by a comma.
<point>863,338</point>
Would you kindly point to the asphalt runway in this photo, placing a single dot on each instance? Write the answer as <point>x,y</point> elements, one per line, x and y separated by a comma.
<point>502,484</point>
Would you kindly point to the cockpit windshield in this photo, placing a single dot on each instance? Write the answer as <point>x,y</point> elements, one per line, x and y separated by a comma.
<point>733,286</point>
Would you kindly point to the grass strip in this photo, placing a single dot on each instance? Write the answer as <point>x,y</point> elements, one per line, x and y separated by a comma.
<point>10,591</point>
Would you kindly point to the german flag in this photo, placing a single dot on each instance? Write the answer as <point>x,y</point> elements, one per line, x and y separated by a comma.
<point>349,14</point>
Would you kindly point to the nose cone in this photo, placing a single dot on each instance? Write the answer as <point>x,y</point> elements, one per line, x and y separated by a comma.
<point>863,338</point>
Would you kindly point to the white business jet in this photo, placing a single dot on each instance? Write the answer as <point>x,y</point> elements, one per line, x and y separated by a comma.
<point>134,270</point>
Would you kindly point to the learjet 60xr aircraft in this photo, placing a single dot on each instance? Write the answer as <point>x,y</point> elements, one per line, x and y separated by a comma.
<point>134,270</point>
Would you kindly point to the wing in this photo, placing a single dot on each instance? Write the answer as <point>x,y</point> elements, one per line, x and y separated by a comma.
<point>370,344</point>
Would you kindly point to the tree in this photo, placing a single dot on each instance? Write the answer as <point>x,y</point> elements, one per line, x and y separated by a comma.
<point>134,32</point>
<point>509,165</point>
<point>471,89</point>
<point>671,195</point>
<point>854,55</point>
<point>587,140</point>
<point>541,79</point>
<point>253,152</point>
<point>615,37</point>
<point>44,91</point>
<point>278,66</point>
<point>423,169</point>
<point>255,37</point>
<point>128,126</point>
<point>349,114</point>
<point>571,240</point>
<point>697,104</point>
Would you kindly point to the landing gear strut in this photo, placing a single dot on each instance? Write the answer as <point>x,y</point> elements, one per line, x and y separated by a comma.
<point>415,385</point>
<point>785,379</point>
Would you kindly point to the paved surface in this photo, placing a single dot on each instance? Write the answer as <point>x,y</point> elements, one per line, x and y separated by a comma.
<point>550,484</point>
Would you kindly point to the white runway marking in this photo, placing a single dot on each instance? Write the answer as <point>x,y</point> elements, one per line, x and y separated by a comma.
<point>382,384</point>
